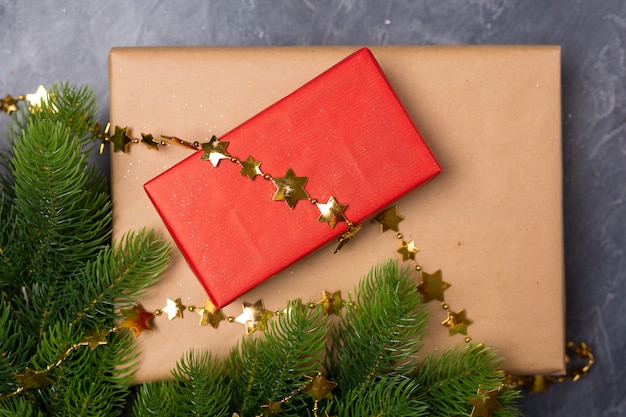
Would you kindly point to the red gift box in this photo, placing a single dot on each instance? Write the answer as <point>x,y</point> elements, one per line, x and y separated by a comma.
<point>343,135</point>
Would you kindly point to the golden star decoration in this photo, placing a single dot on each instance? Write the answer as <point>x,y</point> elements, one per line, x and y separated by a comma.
<point>40,96</point>
<point>8,104</point>
<point>94,338</point>
<point>331,212</point>
<point>250,167</point>
<point>331,303</point>
<point>254,316</point>
<point>272,408</point>
<point>487,404</point>
<point>290,188</point>
<point>432,286</point>
<point>137,320</point>
<point>174,309</point>
<point>33,379</point>
<point>210,314</point>
<point>408,250</point>
<point>457,322</point>
<point>148,140</point>
<point>390,219</point>
<point>215,151</point>
<point>320,388</point>
<point>120,139</point>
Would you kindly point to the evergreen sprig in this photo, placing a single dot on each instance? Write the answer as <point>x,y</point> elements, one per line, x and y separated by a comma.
<point>60,276</point>
<point>458,373</point>
<point>390,396</point>
<point>270,368</point>
<point>384,334</point>
<point>197,378</point>
<point>20,406</point>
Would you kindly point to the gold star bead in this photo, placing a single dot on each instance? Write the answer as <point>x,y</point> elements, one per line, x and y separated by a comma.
<point>137,320</point>
<point>485,405</point>
<point>8,104</point>
<point>290,188</point>
<point>40,96</point>
<point>408,250</point>
<point>120,139</point>
<point>210,314</point>
<point>254,316</point>
<point>432,286</point>
<point>94,338</point>
<point>215,151</point>
<point>250,167</point>
<point>272,408</point>
<point>33,379</point>
<point>457,322</point>
<point>390,219</point>
<point>331,212</point>
<point>320,388</point>
<point>331,303</point>
<point>174,309</point>
<point>148,140</point>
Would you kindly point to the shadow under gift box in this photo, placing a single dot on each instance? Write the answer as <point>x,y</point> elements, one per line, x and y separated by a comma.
<point>492,221</point>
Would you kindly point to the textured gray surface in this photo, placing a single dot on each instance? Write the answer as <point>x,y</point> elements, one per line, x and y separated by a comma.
<point>45,42</point>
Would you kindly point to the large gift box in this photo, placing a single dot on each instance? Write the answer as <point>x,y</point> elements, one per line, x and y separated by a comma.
<point>491,222</point>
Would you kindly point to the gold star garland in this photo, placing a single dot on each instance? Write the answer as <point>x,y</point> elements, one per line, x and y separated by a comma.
<point>290,189</point>
<point>431,286</point>
<point>137,320</point>
<point>254,317</point>
<point>317,387</point>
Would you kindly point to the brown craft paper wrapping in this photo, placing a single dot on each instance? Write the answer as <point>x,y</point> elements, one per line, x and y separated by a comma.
<point>492,221</point>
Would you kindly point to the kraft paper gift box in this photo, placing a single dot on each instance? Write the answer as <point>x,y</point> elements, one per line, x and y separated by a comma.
<point>491,221</point>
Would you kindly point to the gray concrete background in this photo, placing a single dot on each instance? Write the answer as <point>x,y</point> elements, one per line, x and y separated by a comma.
<point>55,40</point>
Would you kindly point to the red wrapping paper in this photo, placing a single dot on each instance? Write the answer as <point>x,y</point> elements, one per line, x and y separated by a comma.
<point>345,130</point>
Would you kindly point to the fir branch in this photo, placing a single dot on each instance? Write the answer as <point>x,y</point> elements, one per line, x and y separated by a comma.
<point>199,389</point>
<point>59,274</point>
<point>156,399</point>
<point>59,222</point>
<point>49,350</point>
<point>389,396</point>
<point>457,374</point>
<point>116,278</point>
<point>278,365</point>
<point>7,238</point>
<point>15,346</point>
<point>96,382</point>
<point>72,106</point>
<point>383,334</point>
<point>18,406</point>
<point>6,180</point>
